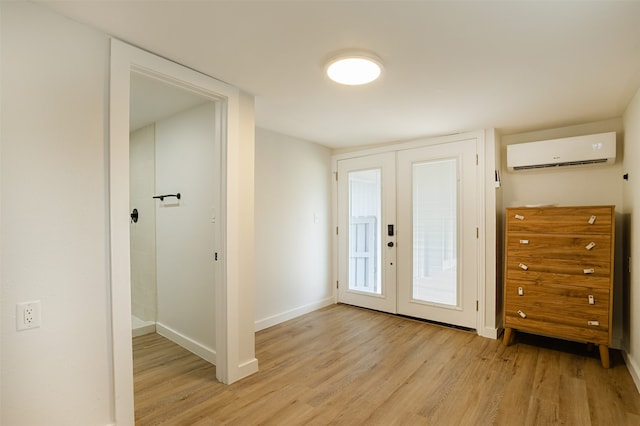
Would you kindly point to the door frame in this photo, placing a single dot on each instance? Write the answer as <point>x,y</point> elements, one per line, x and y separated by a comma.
<point>235,346</point>
<point>488,322</point>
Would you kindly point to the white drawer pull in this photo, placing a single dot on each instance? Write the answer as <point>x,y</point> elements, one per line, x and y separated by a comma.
<point>522,314</point>
<point>524,241</point>
<point>590,245</point>
<point>592,220</point>
<point>520,291</point>
<point>523,266</point>
<point>519,217</point>
<point>589,271</point>
<point>592,300</point>
<point>593,323</point>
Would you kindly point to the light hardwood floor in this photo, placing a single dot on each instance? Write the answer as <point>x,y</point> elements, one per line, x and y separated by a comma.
<point>345,365</point>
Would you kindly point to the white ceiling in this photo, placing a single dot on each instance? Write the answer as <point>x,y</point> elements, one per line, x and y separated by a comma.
<point>449,66</point>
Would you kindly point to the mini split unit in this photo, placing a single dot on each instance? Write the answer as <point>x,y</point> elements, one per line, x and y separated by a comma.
<point>574,151</point>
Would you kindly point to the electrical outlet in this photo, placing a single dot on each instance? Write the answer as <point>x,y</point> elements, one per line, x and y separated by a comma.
<point>28,315</point>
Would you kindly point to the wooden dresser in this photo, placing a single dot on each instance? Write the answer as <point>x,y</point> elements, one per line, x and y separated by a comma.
<point>559,273</point>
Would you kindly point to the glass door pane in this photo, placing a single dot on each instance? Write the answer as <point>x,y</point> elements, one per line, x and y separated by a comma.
<point>437,250</point>
<point>365,210</point>
<point>435,246</point>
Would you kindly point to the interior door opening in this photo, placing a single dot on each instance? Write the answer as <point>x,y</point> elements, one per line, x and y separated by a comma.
<point>174,149</point>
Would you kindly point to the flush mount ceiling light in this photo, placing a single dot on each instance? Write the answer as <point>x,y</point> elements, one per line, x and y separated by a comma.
<point>354,69</point>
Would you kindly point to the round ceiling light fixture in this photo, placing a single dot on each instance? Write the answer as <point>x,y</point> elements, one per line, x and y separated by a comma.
<point>354,68</point>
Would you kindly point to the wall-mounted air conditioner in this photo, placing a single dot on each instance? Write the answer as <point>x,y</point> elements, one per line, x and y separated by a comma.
<point>574,151</point>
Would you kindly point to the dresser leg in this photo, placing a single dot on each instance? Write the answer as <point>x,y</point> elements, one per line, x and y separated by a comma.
<point>604,356</point>
<point>508,334</point>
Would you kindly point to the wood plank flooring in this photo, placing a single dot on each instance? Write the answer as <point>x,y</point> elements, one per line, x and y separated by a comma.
<point>348,366</point>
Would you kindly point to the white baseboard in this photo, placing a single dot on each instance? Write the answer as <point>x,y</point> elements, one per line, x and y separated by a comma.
<point>632,366</point>
<point>246,369</point>
<point>142,330</point>
<point>490,332</point>
<point>292,313</point>
<point>208,354</point>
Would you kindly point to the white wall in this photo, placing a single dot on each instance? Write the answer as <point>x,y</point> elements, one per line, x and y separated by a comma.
<point>580,186</point>
<point>187,161</point>
<point>54,221</point>
<point>142,175</point>
<point>293,216</point>
<point>492,236</point>
<point>1,232</point>
<point>632,236</point>
<point>240,243</point>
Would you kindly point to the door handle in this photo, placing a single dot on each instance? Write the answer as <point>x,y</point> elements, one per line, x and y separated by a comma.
<point>390,244</point>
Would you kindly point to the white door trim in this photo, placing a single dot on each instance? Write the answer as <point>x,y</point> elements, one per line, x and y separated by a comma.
<point>231,333</point>
<point>486,216</point>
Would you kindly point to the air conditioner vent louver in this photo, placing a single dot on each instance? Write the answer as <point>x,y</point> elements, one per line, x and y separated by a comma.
<point>568,163</point>
<point>573,151</point>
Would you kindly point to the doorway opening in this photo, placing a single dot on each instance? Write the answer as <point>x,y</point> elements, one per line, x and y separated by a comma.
<point>174,154</point>
<point>234,334</point>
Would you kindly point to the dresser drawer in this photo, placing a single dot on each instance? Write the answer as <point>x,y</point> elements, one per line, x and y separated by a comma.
<point>564,313</point>
<point>558,310</point>
<point>537,324</point>
<point>566,298</point>
<point>575,247</point>
<point>572,220</point>
<point>559,271</point>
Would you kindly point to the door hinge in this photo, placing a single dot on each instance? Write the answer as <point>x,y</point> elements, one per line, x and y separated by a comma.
<point>477,232</point>
<point>336,230</point>
<point>477,305</point>
<point>476,159</point>
<point>215,256</point>
<point>337,284</point>
<point>336,176</point>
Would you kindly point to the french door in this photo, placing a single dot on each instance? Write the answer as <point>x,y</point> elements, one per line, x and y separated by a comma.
<point>366,240</point>
<point>407,240</point>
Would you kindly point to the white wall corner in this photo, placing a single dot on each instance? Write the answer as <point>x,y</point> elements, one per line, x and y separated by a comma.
<point>634,369</point>
<point>491,309</point>
<point>241,370</point>
<point>490,332</point>
<point>247,368</point>
<point>293,313</point>
<point>204,352</point>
